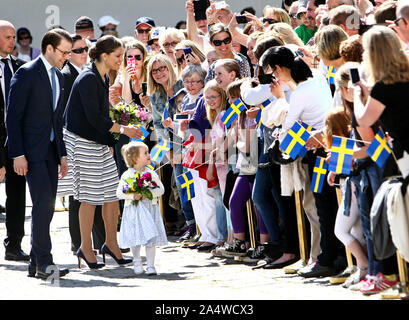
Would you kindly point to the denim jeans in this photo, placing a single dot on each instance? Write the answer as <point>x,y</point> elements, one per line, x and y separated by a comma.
<point>367,184</point>
<point>186,206</point>
<point>221,218</point>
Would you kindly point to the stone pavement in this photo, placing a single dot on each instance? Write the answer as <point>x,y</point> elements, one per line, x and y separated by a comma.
<point>183,274</point>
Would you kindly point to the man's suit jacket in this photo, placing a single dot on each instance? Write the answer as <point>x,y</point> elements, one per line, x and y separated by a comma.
<point>70,74</point>
<point>30,114</point>
<point>16,63</point>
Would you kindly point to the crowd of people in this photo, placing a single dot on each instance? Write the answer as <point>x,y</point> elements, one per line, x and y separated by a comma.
<point>292,65</point>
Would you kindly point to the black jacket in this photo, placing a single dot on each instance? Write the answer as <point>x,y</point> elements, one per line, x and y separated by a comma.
<point>70,75</point>
<point>16,63</point>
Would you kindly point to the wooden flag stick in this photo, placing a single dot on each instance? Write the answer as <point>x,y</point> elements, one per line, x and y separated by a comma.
<point>252,228</point>
<point>301,226</point>
<point>403,273</point>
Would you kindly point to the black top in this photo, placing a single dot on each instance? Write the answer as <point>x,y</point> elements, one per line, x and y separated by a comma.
<point>395,117</point>
<point>87,112</point>
<point>70,75</point>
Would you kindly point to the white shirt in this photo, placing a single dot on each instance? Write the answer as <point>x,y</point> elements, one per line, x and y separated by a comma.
<point>3,88</point>
<point>49,67</point>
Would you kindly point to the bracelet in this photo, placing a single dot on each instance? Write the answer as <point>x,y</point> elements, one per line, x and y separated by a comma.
<point>121,129</point>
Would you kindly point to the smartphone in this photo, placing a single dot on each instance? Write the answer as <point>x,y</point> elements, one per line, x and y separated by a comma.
<point>200,7</point>
<point>179,117</point>
<point>300,53</point>
<point>131,62</point>
<point>144,88</point>
<point>265,78</point>
<point>187,51</point>
<point>354,75</point>
<point>242,19</point>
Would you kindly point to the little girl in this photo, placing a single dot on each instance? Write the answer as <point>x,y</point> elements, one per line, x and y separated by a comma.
<point>141,224</point>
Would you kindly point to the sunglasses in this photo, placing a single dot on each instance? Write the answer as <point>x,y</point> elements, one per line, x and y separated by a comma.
<point>168,44</point>
<point>137,57</point>
<point>181,59</point>
<point>80,50</point>
<point>269,20</point>
<point>218,43</point>
<point>140,31</point>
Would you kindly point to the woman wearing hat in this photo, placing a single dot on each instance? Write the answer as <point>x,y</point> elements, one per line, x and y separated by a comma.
<point>24,40</point>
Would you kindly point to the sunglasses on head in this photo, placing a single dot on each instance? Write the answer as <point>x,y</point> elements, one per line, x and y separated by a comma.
<point>218,43</point>
<point>137,57</point>
<point>80,50</point>
<point>140,31</point>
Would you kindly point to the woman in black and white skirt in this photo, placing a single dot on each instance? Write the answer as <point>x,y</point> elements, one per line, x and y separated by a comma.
<point>89,141</point>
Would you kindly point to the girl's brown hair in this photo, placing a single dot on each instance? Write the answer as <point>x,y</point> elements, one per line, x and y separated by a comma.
<point>337,123</point>
<point>233,91</point>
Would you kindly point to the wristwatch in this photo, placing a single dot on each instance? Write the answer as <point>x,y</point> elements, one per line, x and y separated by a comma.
<point>121,129</point>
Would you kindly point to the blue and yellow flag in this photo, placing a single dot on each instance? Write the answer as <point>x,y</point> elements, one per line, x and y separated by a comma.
<point>379,150</point>
<point>165,114</point>
<point>151,166</point>
<point>258,118</point>
<point>187,185</point>
<point>159,151</point>
<point>331,75</point>
<point>318,175</point>
<point>232,113</point>
<point>295,140</point>
<point>304,150</point>
<point>342,151</point>
<point>145,133</point>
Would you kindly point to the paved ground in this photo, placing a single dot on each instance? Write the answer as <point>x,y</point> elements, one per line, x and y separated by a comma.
<point>184,274</point>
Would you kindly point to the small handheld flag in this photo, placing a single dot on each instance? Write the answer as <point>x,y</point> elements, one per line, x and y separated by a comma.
<point>151,166</point>
<point>232,113</point>
<point>304,150</point>
<point>258,118</point>
<point>318,175</point>
<point>379,150</point>
<point>342,150</point>
<point>295,140</point>
<point>145,133</point>
<point>159,151</point>
<point>187,185</point>
<point>165,114</point>
<point>331,75</point>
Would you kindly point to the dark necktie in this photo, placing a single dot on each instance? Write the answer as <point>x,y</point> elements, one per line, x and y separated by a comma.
<point>54,88</point>
<point>7,78</point>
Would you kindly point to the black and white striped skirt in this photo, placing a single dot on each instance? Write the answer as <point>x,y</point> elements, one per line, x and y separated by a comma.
<point>92,172</point>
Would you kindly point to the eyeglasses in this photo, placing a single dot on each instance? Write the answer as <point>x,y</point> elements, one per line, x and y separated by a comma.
<point>168,44</point>
<point>140,31</point>
<point>65,53</point>
<point>397,20</point>
<point>293,16</point>
<point>109,29</point>
<point>212,97</point>
<point>269,20</point>
<point>137,57</point>
<point>192,82</point>
<point>180,59</point>
<point>218,43</point>
<point>80,50</point>
<point>159,70</point>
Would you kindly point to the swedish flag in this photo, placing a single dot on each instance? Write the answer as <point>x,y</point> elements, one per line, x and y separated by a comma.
<point>159,151</point>
<point>145,133</point>
<point>187,185</point>
<point>258,118</point>
<point>342,151</point>
<point>231,114</point>
<point>165,114</point>
<point>379,150</point>
<point>304,150</point>
<point>331,75</point>
<point>318,175</point>
<point>151,166</point>
<point>295,140</point>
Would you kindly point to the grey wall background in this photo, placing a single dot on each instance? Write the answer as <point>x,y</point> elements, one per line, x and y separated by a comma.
<point>38,15</point>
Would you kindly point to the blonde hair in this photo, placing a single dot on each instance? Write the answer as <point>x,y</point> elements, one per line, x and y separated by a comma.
<point>190,44</point>
<point>337,123</point>
<point>341,79</point>
<point>153,86</point>
<point>136,44</point>
<point>212,114</point>
<point>328,40</point>
<point>284,32</point>
<point>131,151</point>
<point>384,56</point>
<point>281,14</point>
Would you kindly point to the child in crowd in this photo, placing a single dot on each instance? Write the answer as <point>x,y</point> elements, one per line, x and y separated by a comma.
<point>142,223</point>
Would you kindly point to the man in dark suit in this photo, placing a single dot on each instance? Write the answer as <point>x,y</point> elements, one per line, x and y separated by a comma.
<point>15,184</point>
<point>34,131</point>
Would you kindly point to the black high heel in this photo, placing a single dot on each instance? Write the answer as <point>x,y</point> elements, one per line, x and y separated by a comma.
<point>91,265</point>
<point>105,250</point>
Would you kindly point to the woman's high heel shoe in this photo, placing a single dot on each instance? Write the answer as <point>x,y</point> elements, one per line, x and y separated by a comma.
<point>105,250</point>
<point>91,265</point>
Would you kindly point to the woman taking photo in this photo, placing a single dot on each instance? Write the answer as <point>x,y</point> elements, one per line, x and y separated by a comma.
<point>89,139</point>
<point>196,56</point>
<point>221,39</point>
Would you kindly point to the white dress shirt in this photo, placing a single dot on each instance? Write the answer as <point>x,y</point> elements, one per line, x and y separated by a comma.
<point>3,88</point>
<point>49,67</point>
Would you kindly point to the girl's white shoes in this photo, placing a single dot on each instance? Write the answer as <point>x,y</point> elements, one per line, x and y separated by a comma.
<point>138,269</point>
<point>151,271</point>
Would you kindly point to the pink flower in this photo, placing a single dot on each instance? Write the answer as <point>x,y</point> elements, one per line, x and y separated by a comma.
<point>147,176</point>
<point>140,183</point>
<point>154,185</point>
<point>144,115</point>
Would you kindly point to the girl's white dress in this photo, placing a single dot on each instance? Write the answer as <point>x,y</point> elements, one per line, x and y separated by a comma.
<point>141,224</point>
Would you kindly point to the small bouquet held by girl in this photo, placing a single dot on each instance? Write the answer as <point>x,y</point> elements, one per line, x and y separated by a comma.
<point>142,223</point>
<point>129,114</point>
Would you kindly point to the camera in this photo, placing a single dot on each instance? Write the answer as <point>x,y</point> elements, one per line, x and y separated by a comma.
<point>241,19</point>
<point>179,117</point>
<point>354,75</point>
<point>200,7</point>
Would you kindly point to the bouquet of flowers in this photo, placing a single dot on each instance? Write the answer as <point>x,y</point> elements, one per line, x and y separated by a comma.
<point>140,184</point>
<point>128,114</point>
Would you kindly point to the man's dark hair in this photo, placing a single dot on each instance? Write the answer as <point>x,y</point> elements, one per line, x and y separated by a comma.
<point>53,38</point>
<point>249,10</point>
